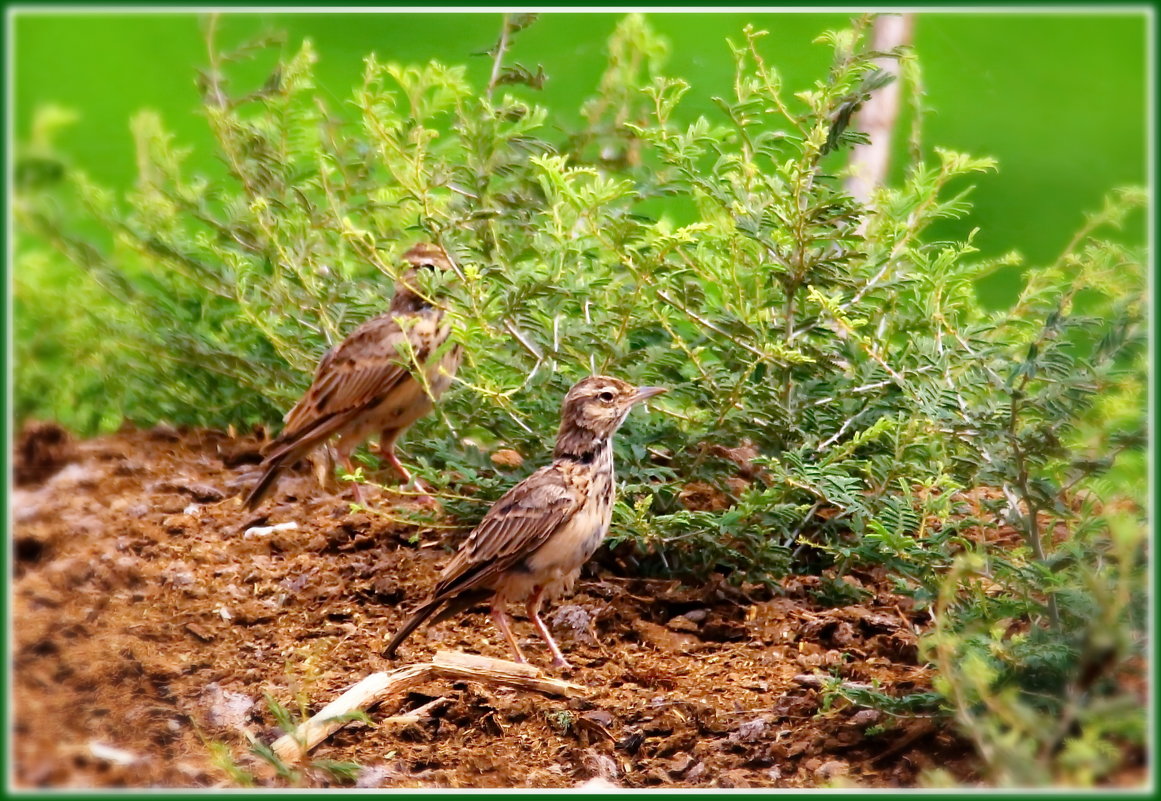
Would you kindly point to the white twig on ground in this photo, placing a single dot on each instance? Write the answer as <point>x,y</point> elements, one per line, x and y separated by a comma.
<point>377,687</point>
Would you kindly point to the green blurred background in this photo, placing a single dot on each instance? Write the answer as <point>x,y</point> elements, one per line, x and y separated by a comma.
<point>1058,98</point>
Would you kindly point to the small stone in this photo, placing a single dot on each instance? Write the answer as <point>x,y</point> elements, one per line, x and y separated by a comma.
<point>176,524</point>
<point>507,458</point>
<point>749,731</point>
<point>664,639</point>
<point>170,504</point>
<point>75,475</point>
<point>177,576</point>
<point>227,709</point>
<point>577,619</point>
<point>108,753</point>
<point>202,493</point>
<point>599,716</point>
<point>736,777</point>
<point>25,505</point>
<point>602,766</point>
<point>378,776</point>
<point>866,717</point>
<point>835,767</point>
<point>262,531</point>
<point>165,431</point>
<point>680,764</point>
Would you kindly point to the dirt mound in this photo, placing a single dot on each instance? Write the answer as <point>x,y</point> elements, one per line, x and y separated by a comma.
<point>42,449</point>
<point>153,614</point>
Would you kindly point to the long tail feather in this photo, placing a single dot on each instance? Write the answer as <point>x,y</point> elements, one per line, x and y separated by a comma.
<point>415,621</point>
<point>265,484</point>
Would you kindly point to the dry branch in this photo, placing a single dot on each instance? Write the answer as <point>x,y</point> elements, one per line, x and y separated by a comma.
<point>377,687</point>
<point>419,713</point>
<point>470,667</point>
<point>877,118</point>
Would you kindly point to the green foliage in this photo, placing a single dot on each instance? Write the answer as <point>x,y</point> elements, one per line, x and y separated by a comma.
<point>1047,705</point>
<point>835,689</point>
<point>334,771</point>
<point>222,758</point>
<point>833,379</point>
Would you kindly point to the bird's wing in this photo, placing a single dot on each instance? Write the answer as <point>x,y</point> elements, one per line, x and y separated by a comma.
<point>516,525</point>
<point>299,408</point>
<point>353,376</point>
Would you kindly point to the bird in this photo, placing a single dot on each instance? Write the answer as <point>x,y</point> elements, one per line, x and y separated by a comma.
<point>532,542</point>
<point>366,384</point>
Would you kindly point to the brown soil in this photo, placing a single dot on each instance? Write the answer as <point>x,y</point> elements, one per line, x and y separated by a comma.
<point>148,628</point>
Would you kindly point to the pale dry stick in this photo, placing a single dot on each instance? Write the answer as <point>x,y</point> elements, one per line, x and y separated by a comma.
<point>707,324</point>
<point>372,690</point>
<point>878,115</point>
<point>838,434</point>
<point>522,338</point>
<point>592,356</point>
<point>868,387</point>
<point>498,61</point>
<point>293,746</point>
<point>419,713</point>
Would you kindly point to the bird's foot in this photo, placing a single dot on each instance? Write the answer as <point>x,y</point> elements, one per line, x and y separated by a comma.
<point>357,496</point>
<point>418,491</point>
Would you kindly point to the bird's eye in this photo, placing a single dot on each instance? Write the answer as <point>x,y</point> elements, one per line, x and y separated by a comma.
<point>427,265</point>
<point>606,396</point>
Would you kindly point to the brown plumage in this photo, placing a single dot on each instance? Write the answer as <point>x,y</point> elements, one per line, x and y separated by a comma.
<point>532,542</point>
<point>365,385</point>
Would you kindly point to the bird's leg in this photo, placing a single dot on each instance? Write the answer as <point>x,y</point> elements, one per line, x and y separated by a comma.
<point>533,609</point>
<point>500,618</point>
<point>389,454</point>
<point>349,466</point>
<point>323,461</point>
<point>387,451</point>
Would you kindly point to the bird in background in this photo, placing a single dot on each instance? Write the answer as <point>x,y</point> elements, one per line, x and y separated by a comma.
<point>366,385</point>
<point>531,544</point>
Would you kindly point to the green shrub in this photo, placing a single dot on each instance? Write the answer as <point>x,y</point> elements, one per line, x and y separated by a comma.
<point>834,380</point>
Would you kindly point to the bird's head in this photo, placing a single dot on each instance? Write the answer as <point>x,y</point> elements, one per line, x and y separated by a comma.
<point>596,406</point>
<point>423,260</point>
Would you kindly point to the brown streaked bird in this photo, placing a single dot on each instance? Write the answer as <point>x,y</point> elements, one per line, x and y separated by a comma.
<point>531,544</point>
<point>365,385</point>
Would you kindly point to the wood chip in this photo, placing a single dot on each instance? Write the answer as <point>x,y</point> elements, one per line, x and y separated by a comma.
<point>199,632</point>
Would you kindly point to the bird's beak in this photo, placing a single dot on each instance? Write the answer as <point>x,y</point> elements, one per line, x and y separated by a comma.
<point>645,393</point>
